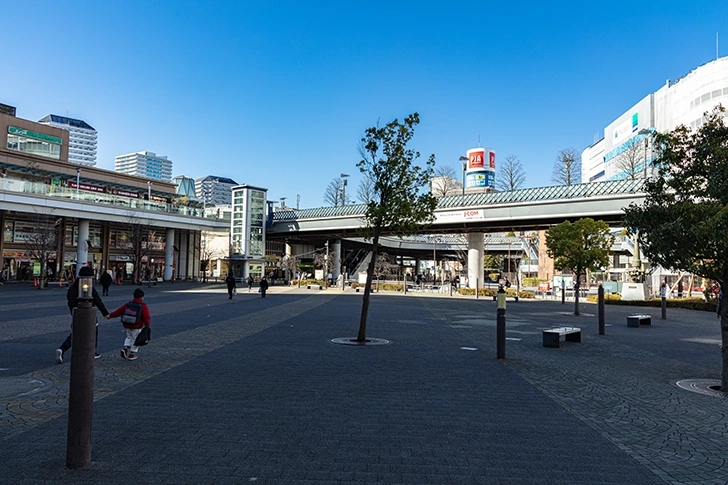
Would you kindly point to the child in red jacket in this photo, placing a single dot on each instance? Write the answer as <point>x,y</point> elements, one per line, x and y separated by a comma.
<point>133,321</point>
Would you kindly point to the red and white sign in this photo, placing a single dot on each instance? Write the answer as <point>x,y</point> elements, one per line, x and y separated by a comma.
<point>476,158</point>
<point>491,158</point>
<point>460,215</point>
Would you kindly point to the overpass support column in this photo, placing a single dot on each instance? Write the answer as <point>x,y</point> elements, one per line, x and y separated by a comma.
<point>82,244</point>
<point>168,254</point>
<point>336,248</point>
<point>476,242</point>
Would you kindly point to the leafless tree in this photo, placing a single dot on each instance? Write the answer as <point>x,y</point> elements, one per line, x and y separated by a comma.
<point>510,174</point>
<point>382,266</point>
<point>289,264</point>
<point>141,240</point>
<point>444,182</point>
<point>628,162</point>
<point>365,192</point>
<point>324,259</point>
<point>41,242</point>
<point>567,168</point>
<point>334,194</point>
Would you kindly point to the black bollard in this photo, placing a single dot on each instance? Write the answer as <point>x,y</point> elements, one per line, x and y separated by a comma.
<point>81,387</point>
<point>664,308</point>
<point>600,306</point>
<point>501,324</point>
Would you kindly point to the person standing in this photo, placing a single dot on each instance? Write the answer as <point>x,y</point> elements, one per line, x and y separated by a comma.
<point>230,282</point>
<point>132,329</point>
<point>72,297</point>
<point>105,281</point>
<point>249,281</point>
<point>263,286</point>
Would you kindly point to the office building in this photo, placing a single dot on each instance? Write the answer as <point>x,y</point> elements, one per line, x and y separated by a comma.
<point>626,149</point>
<point>213,190</point>
<point>82,138</point>
<point>145,164</point>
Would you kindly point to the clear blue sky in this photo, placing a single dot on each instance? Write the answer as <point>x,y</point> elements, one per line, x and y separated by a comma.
<point>278,94</point>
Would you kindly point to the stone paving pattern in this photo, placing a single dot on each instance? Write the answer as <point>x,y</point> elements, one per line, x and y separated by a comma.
<point>253,391</point>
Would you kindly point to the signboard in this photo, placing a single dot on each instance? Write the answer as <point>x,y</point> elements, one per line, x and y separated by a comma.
<point>476,158</point>
<point>35,135</point>
<point>480,179</point>
<point>125,193</point>
<point>87,187</point>
<point>461,215</point>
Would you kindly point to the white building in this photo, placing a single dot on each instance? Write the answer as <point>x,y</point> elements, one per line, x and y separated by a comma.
<point>680,102</point>
<point>247,231</point>
<point>145,164</point>
<point>81,141</point>
<point>213,190</point>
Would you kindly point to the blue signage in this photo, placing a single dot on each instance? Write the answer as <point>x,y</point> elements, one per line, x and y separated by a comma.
<point>479,179</point>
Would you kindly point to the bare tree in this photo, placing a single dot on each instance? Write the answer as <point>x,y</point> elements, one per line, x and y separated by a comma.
<point>382,266</point>
<point>444,182</point>
<point>567,168</point>
<point>334,194</point>
<point>324,259</point>
<point>142,238</point>
<point>510,174</point>
<point>289,264</point>
<point>628,162</point>
<point>41,242</point>
<point>366,192</point>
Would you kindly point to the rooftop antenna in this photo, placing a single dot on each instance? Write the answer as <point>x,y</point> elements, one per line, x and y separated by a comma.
<point>716,46</point>
<point>478,139</point>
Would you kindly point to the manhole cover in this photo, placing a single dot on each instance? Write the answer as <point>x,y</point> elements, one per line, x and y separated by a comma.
<point>709,387</point>
<point>353,341</point>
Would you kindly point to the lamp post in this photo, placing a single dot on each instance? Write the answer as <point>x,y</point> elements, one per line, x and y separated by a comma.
<point>464,163</point>
<point>501,324</point>
<point>344,176</point>
<point>647,134</point>
<point>283,202</point>
<point>78,180</point>
<point>81,382</point>
<point>149,194</point>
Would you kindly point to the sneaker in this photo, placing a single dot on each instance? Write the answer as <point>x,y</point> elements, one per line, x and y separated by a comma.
<point>59,356</point>
<point>132,356</point>
<point>125,353</point>
<point>96,355</point>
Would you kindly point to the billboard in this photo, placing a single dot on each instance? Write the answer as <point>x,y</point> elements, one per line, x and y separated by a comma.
<point>481,159</point>
<point>481,178</point>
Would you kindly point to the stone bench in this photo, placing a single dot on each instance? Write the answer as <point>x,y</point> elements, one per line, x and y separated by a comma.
<point>552,336</point>
<point>639,319</point>
<point>513,297</point>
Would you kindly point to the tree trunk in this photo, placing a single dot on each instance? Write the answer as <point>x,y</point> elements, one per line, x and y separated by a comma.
<point>368,289</point>
<point>577,286</point>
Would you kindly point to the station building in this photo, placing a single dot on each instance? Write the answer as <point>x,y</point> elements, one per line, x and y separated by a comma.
<point>91,215</point>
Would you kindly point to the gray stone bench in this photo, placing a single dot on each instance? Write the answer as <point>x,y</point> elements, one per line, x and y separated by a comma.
<point>639,319</point>
<point>552,336</point>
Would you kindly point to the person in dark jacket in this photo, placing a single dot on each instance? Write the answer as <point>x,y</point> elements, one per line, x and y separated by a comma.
<point>132,330</point>
<point>106,281</point>
<point>263,286</point>
<point>72,297</point>
<point>230,282</point>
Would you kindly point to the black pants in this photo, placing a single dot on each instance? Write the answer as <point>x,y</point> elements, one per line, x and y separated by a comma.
<point>67,343</point>
<point>230,292</point>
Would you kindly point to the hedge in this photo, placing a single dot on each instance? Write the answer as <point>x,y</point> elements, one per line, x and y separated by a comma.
<point>694,303</point>
<point>494,292</point>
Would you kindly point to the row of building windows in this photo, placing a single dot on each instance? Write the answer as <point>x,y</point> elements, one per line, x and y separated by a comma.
<point>34,147</point>
<point>708,96</point>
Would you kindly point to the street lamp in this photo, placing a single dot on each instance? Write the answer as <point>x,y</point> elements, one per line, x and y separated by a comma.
<point>344,176</point>
<point>464,163</point>
<point>647,134</point>
<point>149,194</point>
<point>283,202</point>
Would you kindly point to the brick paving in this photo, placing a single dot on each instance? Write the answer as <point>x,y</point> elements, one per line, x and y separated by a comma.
<point>253,391</point>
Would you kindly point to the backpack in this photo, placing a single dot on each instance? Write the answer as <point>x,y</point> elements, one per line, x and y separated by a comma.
<point>132,314</point>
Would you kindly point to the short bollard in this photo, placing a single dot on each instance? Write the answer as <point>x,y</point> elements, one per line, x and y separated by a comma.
<point>81,386</point>
<point>501,324</point>
<point>600,296</point>
<point>663,292</point>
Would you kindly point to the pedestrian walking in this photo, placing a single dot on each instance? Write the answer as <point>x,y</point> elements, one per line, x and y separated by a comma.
<point>106,281</point>
<point>230,282</point>
<point>249,281</point>
<point>135,315</point>
<point>263,286</point>
<point>72,297</point>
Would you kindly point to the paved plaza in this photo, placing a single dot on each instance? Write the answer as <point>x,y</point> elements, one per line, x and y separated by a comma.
<point>253,391</point>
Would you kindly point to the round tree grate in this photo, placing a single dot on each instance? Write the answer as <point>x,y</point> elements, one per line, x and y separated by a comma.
<point>352,341</point>
<point>709,387</point>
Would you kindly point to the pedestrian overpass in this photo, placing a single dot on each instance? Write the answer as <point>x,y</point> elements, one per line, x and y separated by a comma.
<point>473,214</point>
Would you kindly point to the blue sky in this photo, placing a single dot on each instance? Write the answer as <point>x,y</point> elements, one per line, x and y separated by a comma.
<point>278,94</point>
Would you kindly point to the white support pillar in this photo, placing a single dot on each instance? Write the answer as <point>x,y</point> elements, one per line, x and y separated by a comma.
<point>336,249</point>
<point>168,254</point>
<point>81,244</point>
<point>476,242</point>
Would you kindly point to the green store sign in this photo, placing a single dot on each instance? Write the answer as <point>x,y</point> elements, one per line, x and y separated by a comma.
<point>32,134</point>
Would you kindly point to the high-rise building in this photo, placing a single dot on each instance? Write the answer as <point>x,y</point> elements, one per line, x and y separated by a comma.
<point>213,190</point>
<point>82,139</point>
<point>626,149</point>
<point>145,164</point>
